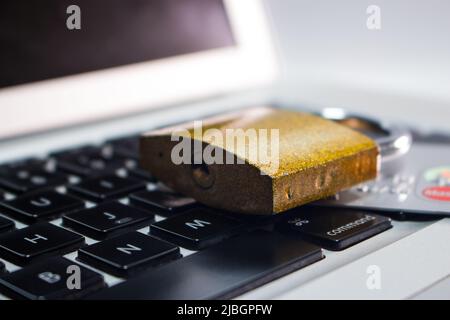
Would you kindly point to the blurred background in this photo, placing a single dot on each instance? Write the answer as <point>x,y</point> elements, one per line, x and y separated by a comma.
<point>331,59</point>
<point>328,54</point>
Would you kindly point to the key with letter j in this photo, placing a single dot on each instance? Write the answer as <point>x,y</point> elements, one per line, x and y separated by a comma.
<point>260,160</point>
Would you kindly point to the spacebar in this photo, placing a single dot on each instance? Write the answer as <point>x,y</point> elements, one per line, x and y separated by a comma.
<point>220,272</point>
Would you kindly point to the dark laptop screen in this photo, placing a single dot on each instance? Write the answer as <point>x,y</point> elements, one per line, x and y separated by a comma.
<point>47,39</point>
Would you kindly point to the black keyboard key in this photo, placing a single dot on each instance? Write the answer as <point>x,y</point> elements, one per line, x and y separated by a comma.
<point>24,179</point>
<point>23,164</point>
<point>224,271</point>
<point>106,187</point>
<point>49,280</point>
<point>108,219</point>
<point>29,244</point>
<point>139,173</point>
<point>57,155</point>
<point>335,229</point>
<point>163,202</point>
<point>196,229</point>
<point>42,205</point>
<point>89,161</point>
<point>127,147</point>
<point>135,171</point>
<point>2,267</point>
<point>6,225</point>
<point>128,254</point>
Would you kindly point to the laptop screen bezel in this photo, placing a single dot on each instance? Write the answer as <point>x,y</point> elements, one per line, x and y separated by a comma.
<point>113,92</point>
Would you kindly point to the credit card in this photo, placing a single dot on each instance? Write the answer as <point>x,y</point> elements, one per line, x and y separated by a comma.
<point>421,185</point>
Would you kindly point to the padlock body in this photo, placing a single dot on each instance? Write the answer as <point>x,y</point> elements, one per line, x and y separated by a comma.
<point>299,158</point>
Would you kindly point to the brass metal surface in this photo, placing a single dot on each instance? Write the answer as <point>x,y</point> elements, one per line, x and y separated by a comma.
<point>316,158</point>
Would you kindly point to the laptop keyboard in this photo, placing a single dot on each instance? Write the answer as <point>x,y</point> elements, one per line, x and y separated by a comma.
<point>43,281</point>
<point>94,209</point>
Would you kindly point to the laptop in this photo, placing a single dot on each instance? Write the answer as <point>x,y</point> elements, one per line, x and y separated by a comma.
<point>79,218</point>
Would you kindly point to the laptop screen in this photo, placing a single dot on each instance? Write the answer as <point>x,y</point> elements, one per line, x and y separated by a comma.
<point>69,62</point>
<point>52,38</point>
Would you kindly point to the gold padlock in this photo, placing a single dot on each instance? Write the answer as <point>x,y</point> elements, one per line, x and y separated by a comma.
<point>260,160</point>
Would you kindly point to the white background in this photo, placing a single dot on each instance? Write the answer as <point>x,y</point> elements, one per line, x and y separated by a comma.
<point>331,59</point>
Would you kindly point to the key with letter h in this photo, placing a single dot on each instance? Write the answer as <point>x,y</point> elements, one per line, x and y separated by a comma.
<point>36,242</point>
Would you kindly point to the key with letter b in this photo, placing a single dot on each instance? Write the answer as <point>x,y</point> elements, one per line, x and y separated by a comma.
<point>55,278</point>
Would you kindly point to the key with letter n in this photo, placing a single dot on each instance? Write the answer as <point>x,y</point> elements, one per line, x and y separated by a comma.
<point>128,254</point>
<point>129,248</point>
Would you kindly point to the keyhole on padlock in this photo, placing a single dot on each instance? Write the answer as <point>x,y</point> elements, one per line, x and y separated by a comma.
<point>202,176</point>
<point>288,193</point>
